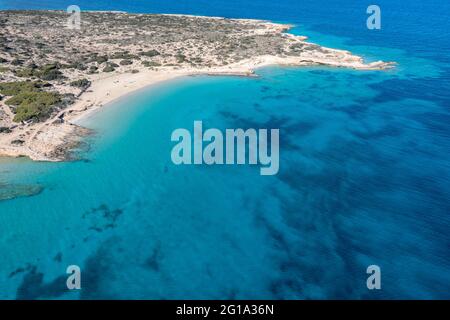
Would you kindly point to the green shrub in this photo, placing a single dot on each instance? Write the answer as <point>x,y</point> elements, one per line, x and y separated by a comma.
<point>150,53</point>
<point>109,69</point>
<point>39,97</point>
<point>25,73</point>
<point>99,59</point>
<point>28,100</point>
<point>125,62</point>
<point>82,83</point>
<point>180,58</point>
<point>81,66</point>
<point>30,105</point>
<point>17,142</point>
<point>17,62</point>
<point>27,112</point>
<point>124,55</point>
<point>15,88</point>
<point>49,72</point>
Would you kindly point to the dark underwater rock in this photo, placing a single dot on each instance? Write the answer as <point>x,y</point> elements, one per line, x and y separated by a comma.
<point>12,191</point>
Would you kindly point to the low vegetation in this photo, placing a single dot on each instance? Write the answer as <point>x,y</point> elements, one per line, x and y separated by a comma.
<point>47,72</point>
<point>124,55</point>
<point>15,88</point>
<point>125,62</point>
<point>29,101</point>
<point>150,53</point>
<point>109,68</point>
<point>151,64</point>
<point>81,83</point>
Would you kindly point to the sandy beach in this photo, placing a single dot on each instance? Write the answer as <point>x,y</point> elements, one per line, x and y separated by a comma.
<point>53,139</point>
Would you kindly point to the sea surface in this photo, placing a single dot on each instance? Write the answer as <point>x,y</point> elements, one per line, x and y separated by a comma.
<point>364,174</point>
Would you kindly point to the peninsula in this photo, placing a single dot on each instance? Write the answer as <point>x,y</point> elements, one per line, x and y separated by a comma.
<point>52,76</point>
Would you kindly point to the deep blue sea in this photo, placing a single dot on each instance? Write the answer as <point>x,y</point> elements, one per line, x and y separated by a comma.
<point>364,174</point>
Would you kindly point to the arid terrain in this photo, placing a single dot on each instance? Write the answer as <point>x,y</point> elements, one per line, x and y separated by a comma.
<point>51,76</point>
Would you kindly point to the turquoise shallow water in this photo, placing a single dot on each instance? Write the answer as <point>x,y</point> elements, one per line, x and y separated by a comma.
<point>363,180</point>
<point>141,227</point>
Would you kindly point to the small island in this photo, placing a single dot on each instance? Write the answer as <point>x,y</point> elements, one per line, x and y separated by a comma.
<point>52,76</point>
